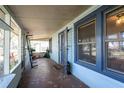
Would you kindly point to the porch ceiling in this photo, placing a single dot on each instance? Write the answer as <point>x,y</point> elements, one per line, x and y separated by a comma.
<point>43,20</point>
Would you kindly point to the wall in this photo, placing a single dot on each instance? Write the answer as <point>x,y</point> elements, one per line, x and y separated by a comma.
<point>70,46</point>
<point>54,54</point>
<point>89,77</point>
<point>94,79</point>
<point>15,81</point>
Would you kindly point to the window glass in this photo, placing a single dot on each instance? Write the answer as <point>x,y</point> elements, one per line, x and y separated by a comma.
<point>86,33</point>
<point>1,51</point>
<point>87,52</point>
<point>14,45</point>
<point>13,50</point>
<point>40,46</point>
<point>87,42</point>
<point>2,15</point>
<point>115,40</point>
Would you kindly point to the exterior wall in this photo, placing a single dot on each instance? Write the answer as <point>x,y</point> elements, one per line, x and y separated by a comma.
<point>70,46</point>
<point>89,77</point>
<point>15,81</point>
<point>54,54</point>
<point>94,79</point>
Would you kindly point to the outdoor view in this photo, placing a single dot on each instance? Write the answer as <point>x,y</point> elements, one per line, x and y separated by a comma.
<point>14,45</point>
<point>40,46</point>
<point>2,17</point>
<point>13,50</point>
<point>1,51</point>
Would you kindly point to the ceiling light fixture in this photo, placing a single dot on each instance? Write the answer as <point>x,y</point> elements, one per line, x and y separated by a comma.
<point>120,17</point>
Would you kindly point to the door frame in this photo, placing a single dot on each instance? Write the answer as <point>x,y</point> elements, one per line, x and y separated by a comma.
<point>59,46</point>
<point>65,32</point>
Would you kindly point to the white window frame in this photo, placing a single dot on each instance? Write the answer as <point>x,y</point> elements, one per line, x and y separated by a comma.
<point>5,25</point>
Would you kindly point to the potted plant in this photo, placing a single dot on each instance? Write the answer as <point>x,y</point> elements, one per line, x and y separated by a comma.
<point>47,54</point>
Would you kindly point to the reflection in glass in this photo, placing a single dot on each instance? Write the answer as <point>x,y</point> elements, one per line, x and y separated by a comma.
<point>115,40</point>
<point>115,58</point>
<point>86,33</point>
<point>87,52</point>
<point>87,42</point>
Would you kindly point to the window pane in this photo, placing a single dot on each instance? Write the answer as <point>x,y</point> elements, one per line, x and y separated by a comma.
<point>1,51</point>
<point>87,52</point>
<point>2,15</point>
<point>86,42</point>
<point>114,37</point>
<point>115,58</point>
<point>13,50</point>
<point>40,46</point>
<point>115,24</point>
<point>14,44</point>
<point>86,33</point>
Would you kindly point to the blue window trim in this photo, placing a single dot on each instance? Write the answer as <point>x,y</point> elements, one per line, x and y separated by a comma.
<point>83,21</point>
<point>100,43</point>
<point>112,74</point>
<point>91,16</point>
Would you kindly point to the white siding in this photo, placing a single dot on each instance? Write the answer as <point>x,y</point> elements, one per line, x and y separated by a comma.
<point>70,46</point>
<point>14,83</point>
<point>54,54</point>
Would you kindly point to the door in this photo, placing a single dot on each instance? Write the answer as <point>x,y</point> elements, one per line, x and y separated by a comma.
<point>61,48</point>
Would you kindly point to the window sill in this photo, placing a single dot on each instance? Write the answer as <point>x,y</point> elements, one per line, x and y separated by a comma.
<point>13,69</point>
<point>5,80</point>
<point>86,64</point>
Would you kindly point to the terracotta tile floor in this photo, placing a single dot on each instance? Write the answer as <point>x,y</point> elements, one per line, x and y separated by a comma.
<point>45,75</point>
